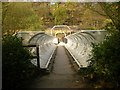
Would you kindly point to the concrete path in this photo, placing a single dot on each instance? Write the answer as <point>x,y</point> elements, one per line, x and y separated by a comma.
<point>62,75</point>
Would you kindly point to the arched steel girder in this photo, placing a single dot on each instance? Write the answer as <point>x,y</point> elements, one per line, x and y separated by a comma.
<point>60,26</point>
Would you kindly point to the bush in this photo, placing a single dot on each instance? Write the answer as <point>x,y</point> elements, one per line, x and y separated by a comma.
<point>105,63</point>
<point>15,61</point>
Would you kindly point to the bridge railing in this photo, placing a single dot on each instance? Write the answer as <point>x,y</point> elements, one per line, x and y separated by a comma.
<point>45,45</point>
<point>79,45</point>
<point>35,56</point>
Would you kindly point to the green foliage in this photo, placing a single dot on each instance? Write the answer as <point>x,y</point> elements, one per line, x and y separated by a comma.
<point>34,23</point>
<point>18,15</point>
<point>105,63</point>
<point>109,26</point>
<point>68,13</point>
<point>16,61</point>
<point>60,15</point>
<point>37,16</point>
<point>111,10</point>
<point>14,15</point>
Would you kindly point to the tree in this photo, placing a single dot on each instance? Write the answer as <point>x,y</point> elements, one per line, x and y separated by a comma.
<point>16,65</point>
<point>60,15</point>
<point>104,65</point>
<point>18,15</point>
<point>112,11</point>
<point>107,9</point>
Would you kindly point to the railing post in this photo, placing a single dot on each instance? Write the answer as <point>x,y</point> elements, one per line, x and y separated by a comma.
<point>37,51</point>
<point>38,59</point>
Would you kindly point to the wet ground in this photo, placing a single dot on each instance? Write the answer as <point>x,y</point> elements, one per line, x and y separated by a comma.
<point>63,74</point>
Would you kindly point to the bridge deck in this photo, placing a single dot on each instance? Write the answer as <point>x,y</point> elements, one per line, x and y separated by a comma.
<point>62,75</point>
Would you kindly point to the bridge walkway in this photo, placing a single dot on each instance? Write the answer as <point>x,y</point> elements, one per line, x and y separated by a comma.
<point>63,74</point>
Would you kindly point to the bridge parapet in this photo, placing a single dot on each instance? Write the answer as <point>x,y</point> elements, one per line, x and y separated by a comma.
<point>79,45</point>
<point>45,44</point>
<point>26,35</point>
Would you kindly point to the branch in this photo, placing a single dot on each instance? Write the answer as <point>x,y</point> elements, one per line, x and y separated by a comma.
<point>98,12</point>
<point>108,12</point>
<point>93,9</point>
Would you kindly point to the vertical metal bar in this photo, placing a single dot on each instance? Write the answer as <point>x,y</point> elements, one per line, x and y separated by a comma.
<point>38,58</point>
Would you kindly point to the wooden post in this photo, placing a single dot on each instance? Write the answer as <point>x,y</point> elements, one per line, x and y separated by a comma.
<point>29,45</point>
<point>38,59</point>
<point>37,51</point>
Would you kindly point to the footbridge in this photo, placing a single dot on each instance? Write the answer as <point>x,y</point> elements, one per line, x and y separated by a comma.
<point>44,46</point>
